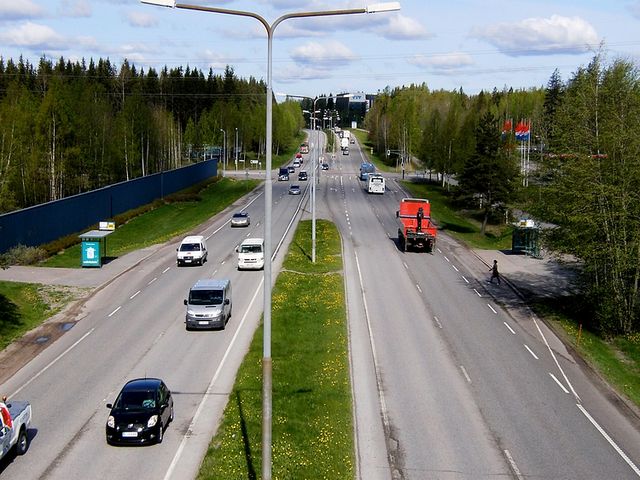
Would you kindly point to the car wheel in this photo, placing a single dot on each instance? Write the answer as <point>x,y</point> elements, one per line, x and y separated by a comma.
<point>23,442</point>
<point>160,433</point>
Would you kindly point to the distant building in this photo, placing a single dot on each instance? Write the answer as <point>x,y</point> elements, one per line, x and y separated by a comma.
<point>353,107</point>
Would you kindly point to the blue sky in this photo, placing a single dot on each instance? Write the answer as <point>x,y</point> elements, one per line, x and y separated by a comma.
<point>468,44</point>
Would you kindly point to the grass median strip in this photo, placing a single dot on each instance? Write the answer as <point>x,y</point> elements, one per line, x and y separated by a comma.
<point>312,419</point>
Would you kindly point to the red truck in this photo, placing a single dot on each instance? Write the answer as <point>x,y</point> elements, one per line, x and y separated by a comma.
<point>417,231</point>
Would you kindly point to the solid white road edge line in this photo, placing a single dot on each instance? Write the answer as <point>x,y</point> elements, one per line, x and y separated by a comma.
<point>575,394</point>
<point>610,440</point>
<point>178,454</point>
<point>383,404</point>
<point>52,362</point>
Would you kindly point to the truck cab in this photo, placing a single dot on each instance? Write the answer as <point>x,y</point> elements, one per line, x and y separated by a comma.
<point>15,420</point>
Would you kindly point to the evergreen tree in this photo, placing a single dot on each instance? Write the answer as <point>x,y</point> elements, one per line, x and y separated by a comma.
<point>489,174</point>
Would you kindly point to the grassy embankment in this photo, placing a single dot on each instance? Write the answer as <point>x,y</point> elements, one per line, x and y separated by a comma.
<point>163,223</point>
<point>312,419</point>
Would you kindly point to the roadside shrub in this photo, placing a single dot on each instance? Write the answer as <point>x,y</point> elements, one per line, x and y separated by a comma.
<point>23,255</point>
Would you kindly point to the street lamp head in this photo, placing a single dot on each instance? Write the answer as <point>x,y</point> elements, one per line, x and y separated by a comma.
<point>161,3</point>
<point>383,7</point>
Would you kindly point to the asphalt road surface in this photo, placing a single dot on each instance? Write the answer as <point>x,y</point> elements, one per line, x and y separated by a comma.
<point>452,378</point>
<point>447,383</point>
<point>134,327</point>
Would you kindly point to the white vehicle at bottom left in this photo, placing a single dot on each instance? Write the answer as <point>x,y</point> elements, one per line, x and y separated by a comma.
<point>15,418</point>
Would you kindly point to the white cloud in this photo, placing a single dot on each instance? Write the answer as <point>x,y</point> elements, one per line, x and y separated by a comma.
<point>325,53</point>
<point>400,27</point>
<point>536,36</point>
<point>141,19</point>
<point>75,8</point>
<point>33,35</point>
<point>215,60</point>
<point>293,75</point>
<point>19,9</point>
<point>635,9</point>
<point>443,63</point>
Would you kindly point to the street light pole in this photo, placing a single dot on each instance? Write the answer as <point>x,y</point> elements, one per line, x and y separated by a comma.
<point>315,162</point>
<point>266,361</point>
<point>224,151</point>
<point>235,149</point>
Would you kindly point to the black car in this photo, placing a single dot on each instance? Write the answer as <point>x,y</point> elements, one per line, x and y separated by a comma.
<point>325,166</point>
<point>141,413</point>
<point>302,176</point>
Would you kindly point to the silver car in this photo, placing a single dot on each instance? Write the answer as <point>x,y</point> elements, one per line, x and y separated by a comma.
<point>294,190</point>
<point>240,219</point>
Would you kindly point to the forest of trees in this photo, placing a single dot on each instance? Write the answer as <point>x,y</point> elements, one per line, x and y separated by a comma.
<point>587,166</point>
<point>67,128</point>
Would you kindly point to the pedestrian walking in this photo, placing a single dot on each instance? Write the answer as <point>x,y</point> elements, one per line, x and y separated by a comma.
<point>494,272</point>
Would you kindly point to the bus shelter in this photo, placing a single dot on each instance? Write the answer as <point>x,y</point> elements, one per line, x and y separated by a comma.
<point>94,247</point>
<point>526,238</point>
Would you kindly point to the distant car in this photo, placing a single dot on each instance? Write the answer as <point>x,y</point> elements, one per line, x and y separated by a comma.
<point>240,219</point>
<point>296,163</point>
<point>302,176</point>
<point>352,141</point>
<point>294,190</point>
<point>291,169</point>
<point>325,166</point>
<point>141,413</point>
<point>298,155</point>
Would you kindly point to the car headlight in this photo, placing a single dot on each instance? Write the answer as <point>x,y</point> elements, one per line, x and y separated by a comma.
<point>190,313</point>
<point>111,422</point>
<point>152,421</point>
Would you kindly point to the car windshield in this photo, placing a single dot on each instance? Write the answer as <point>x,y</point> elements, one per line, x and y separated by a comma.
<point>136,400</point>
<point>250,248</point>
<point>190,247</point>
<point>205,297</point>
<point>240,216</point>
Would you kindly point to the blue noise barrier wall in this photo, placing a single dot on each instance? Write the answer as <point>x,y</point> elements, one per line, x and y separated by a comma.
<point>49,221</point>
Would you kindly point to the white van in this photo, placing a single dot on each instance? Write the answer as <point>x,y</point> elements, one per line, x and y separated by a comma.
<point>251,254</point>
<point>209,304</point>
<point>192,250</point>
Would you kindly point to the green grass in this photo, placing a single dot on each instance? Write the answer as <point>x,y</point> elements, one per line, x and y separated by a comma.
<point>24,306</point>
<point>163,223</point>
<point>463,227</point>
<point>312,419</point>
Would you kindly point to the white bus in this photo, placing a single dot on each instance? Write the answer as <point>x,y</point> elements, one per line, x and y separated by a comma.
<point>376,184</point>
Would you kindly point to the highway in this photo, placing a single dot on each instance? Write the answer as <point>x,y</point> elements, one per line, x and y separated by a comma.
<point>447,383</point>
<point>135,328</point>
